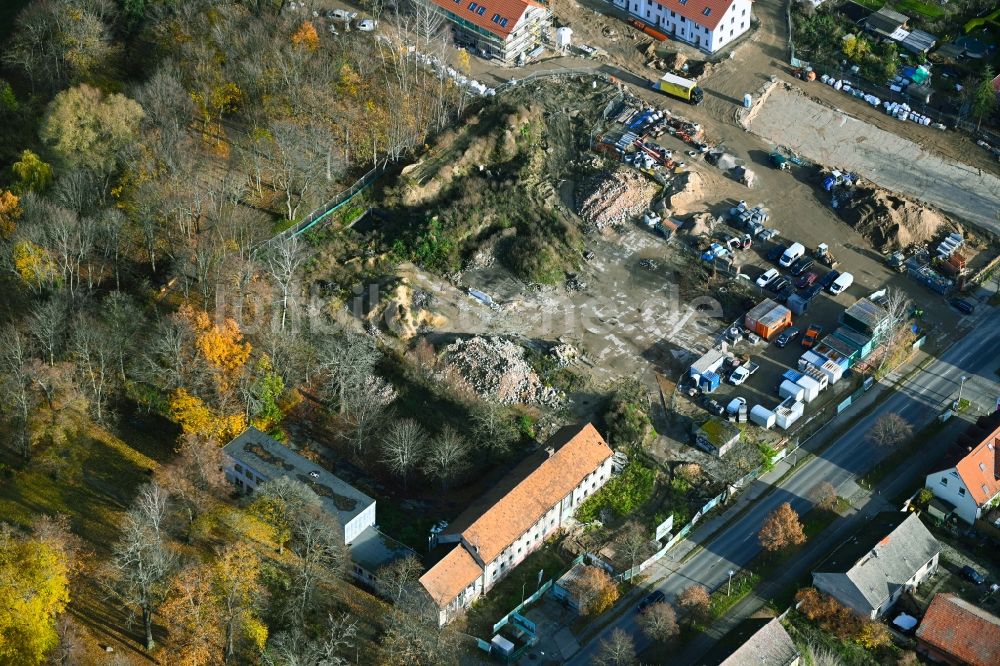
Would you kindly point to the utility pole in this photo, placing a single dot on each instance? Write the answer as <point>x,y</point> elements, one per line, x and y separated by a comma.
<point>729,586</point>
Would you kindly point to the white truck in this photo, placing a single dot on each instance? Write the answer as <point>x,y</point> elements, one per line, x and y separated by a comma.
<point>843,281</point>
<point>794,251</point>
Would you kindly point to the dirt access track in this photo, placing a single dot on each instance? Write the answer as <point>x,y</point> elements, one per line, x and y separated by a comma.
<point>834,138</point>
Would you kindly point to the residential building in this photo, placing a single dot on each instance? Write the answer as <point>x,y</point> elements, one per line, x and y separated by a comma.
<point>754,642</point>
<point>253,458</point>
<point>892,554</point>
<point>706,24</point>
<point>958,633</point>
<point>498,531</point>
<point>970,478</point>
<point>505,30</point>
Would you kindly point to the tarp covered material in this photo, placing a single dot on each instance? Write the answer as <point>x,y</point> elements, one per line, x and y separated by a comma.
<point>905,622</point>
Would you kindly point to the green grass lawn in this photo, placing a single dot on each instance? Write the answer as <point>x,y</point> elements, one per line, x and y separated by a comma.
<point>918,7</point>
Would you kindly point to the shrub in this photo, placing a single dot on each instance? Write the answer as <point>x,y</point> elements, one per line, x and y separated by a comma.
<point>622,494</point>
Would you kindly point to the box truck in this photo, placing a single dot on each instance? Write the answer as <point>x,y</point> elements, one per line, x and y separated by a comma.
<point>681,88</point>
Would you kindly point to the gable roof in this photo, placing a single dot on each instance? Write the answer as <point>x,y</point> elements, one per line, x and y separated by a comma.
<point>980,469</point>
<point>272,459</point>
<point>958,628</point>
<point>694,10</point>
<point>580,450</point>
<point>886,21</point>
<point>884,555</point>
<point>446,579</point>
<point>509,13</point>
<point>769,646</point>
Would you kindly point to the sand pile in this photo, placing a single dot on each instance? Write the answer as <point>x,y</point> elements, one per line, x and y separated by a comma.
<point>688,190</point>
<point>888,221</point>
<point>404,312</point>
<point>613,197</point>
<point>701,224</point>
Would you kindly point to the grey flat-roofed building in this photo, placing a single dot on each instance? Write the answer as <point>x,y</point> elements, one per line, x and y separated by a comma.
<point>253,458</point>
<point>919,41</point>
<point>372,550</point>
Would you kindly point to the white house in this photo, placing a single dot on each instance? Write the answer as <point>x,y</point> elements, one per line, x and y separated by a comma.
<point>892,554</point>
<point>973,483</point>
<point>497,532</point>
<point>707,24</point>
<point>505,30</point>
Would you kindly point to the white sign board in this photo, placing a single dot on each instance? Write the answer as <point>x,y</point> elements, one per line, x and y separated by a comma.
<point>664,528</point>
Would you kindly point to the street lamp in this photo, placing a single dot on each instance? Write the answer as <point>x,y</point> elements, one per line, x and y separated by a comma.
<point>961,385</point>
<point>729,586</point>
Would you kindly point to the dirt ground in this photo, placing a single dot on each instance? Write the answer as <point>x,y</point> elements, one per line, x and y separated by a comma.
<point>830,137</point>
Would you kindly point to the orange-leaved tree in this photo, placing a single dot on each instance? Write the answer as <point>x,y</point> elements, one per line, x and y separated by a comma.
<point>10,213</point>
<point>306,36</point>
<point>781,529</point>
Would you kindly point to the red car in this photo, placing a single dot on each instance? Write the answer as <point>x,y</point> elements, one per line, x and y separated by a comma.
<point>811,336</point>
<point>806,281</point>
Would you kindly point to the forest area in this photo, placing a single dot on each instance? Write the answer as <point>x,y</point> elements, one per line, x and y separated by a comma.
<point>151,154</point>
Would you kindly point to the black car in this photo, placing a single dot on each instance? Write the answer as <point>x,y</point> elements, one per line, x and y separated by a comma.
<point>777,284</point>
<point>828,279</point>
<point>962,305</point>
<point>970,574</point>
<point>775,253</point>
<point>786,336</point>
<point>714,407</point>
<point>782,295</point>
<point>657,597</point>
<point>812,291</point>
<point>801,265</point>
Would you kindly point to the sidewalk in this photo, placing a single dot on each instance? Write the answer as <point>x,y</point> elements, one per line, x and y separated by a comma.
<point>706,529</point>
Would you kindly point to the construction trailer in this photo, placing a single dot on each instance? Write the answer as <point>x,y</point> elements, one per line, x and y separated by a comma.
<point>788,412</point>
<point>768,318</point>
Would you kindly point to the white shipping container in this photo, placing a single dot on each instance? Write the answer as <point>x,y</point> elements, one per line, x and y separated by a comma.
<point>762,416</point>
<point>788,413</point>
<point>810,388</point>
<point>790,390</point>
<point>833,371</point>
<point>819,376</point>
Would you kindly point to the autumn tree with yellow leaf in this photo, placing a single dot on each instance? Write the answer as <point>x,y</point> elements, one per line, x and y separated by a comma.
<point>306,36</point>
<point>10,213</point>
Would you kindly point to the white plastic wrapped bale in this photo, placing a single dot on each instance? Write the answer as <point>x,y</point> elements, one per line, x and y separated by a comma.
<point>788,413</point>
<point>810,387</point>
<point>762,416</point>
<point>790,390</point>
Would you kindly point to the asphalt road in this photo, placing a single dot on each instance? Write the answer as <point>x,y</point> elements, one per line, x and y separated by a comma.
<point>918,400</point>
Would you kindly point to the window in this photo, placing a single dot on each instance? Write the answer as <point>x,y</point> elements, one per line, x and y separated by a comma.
<point>672,14</point>
<point>472,6</point>
<point>503,23</point>
<point>744,12</point>
<point>944,481</point>
<point>730,33</point>
<point>239,468</point>
<point>518,551</point>
<point>986,489</point>
<point>961,492</point>
<point>496,18</point>
<point>742,24</point>
<point>707,11</point>
<point>990,446</point>
<point>683,2</point>
<point>481,11</point>
<point>982,467</point>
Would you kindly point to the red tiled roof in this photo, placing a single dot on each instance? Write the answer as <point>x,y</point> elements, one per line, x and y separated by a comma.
<point>694,10</point>
<point>980,469</point>
<point>446,579</point>
<point>509,10</point>
<point>962,630</point>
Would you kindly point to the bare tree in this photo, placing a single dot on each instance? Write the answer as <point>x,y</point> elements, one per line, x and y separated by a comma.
<point>124,319</point>
<point>897,304</point>
<point>824,496</point>
<point>447,456</point>
<point>494,426</point>
<point>616,650</point>
<point>398,578</point>
<point>350,360</point>
<point>659,622</point>
<point>47,324</point>
<point>633,542</point>
<point>367,406</point>
<point>151,507</point>
<point>297,162</point>
<point>403,447</point>
<point>16,382</point>
<point>284,257</point>
<point>427,20</point>
<point>94,355</point>
<point>194,478</point>
<point>138,573</point>
<point>890,430</point>
<point>294,648</point>
<point>318,542</point>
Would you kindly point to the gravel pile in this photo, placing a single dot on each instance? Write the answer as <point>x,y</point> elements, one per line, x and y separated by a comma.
<point>496,368</point>
<point>613,197</point>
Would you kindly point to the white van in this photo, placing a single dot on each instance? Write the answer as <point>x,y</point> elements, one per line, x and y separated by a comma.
<point>841,283</point>
<point>794,251</point>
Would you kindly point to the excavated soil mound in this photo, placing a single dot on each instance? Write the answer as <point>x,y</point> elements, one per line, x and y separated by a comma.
<point>891,222</point>
<point>688,191</point>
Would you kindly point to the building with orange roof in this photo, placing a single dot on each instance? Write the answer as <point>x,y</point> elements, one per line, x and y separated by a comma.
<point>971,482</point>
<point>708,25</point>
<point>505,30</point>
<point>956,632</point>
<point>499,530</point>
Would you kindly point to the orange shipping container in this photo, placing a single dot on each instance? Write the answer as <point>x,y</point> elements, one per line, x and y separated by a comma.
<point>768,318</point>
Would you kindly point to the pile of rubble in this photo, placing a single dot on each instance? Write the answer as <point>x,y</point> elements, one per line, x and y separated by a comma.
<point>890,221</point>
<point>495,368</point>
<point>565,354</point>
<point>608,198</point>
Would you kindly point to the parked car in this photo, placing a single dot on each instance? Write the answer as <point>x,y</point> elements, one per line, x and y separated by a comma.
<point>807,280</point>
<point>794,251</point>
<point>777,284</point>
<point>766,277</point>
<point>812,291</point>
<point>731,363</point>
<point>828,279</point>
<point>962,305</point>
<point>742,373</point>
<point>840,285</point>
<point>811,336</point>
<point>657,597</point>
<point>786,336</point>
<point>775,253</point>
<point>367,25</point>
<point>801,265</point>
<point>713,407</point>
<point>784,293</point>
<point>970,574</point>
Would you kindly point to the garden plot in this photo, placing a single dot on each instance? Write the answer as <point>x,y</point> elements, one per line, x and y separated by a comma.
<point>829,136</point>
